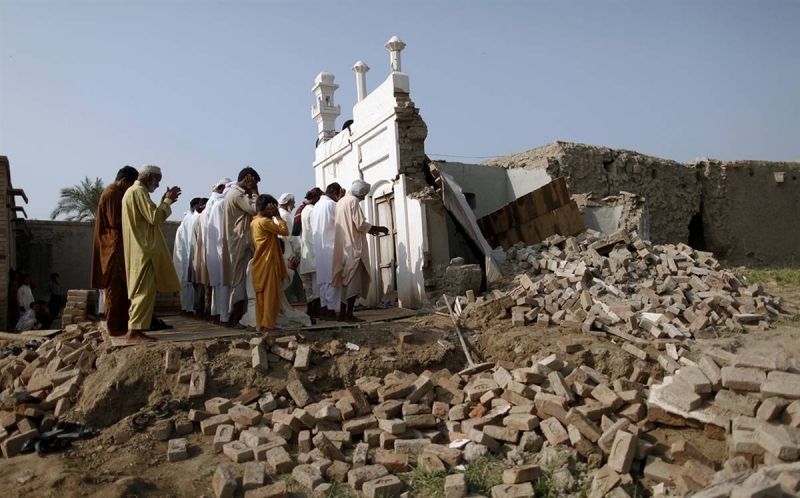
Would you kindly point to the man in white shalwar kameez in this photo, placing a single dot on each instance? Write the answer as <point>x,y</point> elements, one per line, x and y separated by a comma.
<point>308,262</point>
<point>220,293</point>
<point>196,262</point>
<point>180,258</point>
<point>323,226</point>
<point>216,194</point>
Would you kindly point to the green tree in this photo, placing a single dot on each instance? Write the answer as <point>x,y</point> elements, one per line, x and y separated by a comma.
<point>79,203</point>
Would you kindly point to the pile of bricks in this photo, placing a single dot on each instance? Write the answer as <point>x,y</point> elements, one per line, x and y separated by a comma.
<point>754,400</point>
<point>623,286</point>
<point>81,304</point>
<point>53,373</point>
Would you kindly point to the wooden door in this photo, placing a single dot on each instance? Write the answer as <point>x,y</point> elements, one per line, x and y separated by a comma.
<point>387,258</point>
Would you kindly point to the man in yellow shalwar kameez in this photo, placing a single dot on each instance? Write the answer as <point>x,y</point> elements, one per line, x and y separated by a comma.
<point>148,263</point>
<point>268,267</point>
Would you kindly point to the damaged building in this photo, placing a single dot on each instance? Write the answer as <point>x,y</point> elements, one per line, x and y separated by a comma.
<point>438,210</point>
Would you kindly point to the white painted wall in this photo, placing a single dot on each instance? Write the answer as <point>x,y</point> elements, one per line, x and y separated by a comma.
<point>369,150</point>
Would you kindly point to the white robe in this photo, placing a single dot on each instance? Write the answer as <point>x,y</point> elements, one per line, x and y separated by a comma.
<point>213,246</point>
<point>28,322</point>
<point>323,226</point>
<point>191,275</point>
<point>25,297</point>
<point>292,242</point>
<point>288,317</point>
<point>308,263</point>
<point>180,253</point>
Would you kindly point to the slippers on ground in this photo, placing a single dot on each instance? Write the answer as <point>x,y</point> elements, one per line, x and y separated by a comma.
<point>60,437</point>
<point>141,421</point>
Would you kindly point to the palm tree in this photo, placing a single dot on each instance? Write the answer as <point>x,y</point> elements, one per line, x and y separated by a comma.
<point>79,203</point>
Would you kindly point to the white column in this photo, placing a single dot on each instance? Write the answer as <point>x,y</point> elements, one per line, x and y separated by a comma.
<point>361,79</point>
<point>395,45</point>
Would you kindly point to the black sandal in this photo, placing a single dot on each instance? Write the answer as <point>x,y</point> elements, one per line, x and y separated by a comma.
<point>141,421</point>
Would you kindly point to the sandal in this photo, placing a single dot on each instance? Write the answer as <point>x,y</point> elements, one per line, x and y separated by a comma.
<point>80,433</point>
<point>141,421</point>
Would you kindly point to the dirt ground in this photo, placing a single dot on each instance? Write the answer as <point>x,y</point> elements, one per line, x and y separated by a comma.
<point>131,379</point>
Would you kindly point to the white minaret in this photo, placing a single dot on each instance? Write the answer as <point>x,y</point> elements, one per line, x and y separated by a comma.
<point>395,45</point>
<point>325,112</point>
<point>361,79</point>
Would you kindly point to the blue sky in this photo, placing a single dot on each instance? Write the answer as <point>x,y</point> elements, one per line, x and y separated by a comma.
<point>205,88</point>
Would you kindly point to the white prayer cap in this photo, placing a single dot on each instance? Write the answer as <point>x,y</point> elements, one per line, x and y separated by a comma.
<point>286,198</point>
<point>360,188</point>
<point>222,183</point>
<point>150,169</point>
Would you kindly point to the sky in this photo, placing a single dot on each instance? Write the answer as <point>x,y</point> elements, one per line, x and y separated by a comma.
<point>203,89</point>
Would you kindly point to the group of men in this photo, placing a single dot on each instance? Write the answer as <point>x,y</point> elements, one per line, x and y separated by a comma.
<point>324,242</point>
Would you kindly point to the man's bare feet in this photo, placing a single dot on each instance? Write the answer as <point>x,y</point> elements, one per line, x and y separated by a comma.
<point>352,319</point>
<point>139,336</point>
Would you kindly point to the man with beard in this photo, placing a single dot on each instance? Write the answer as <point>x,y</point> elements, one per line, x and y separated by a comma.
<point>148,264</point>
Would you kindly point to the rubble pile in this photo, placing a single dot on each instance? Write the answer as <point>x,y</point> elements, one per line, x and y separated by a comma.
<point>627,287</point>
<point>39,383</point>
<point>81,304</point>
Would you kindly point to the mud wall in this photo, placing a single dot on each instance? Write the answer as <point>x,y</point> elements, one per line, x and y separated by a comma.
<point>749,218</point>
<point>63,247</point>
<point>672,189</point>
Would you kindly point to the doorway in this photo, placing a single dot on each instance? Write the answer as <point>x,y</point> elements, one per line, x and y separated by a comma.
<point>386,253</point>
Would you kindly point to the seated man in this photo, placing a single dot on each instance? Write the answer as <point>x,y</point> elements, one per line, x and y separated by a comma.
<point>28,319</point>
<point>44,315</point>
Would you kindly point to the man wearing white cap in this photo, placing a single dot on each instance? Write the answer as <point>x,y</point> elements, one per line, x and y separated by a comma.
<point>292,248</point>
<point>350,250</point>
<point>148,265</point>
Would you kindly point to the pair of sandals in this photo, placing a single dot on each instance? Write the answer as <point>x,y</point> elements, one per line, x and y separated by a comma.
<point>59,438</point>
<point>157,324</point>
<point>17,350</point>
<point>162,409</point>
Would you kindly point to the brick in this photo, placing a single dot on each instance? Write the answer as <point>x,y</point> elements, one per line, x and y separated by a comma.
<point>779,440</point>
<point>253,439</point>
<point>383,486</point>
<point>608,397</point>
<point>519,475</point>
<point>392,426</point>
<point>357,477</point>
<point>254,476</point>
<point>183,426</point>
<point>177,450</point>
<point>338,471</point>
<point>302,357</point>
<point>455,486</point>
<point>237,451</point>
<point>197,384</point>
<point>162,430</point>
<point>668,364</point>
<point>172,360</point>
<point>209,426</point>
<point>430,464</point>
<point>660,471</point>
<point>360,453</point>
<point>410,446</point>
<point>679,395</point>
<point>745,442</point>
<point>243,415</point>
<point>743,379</point>
<point>327,448</point>
<point>480,437</point>
<point>737,403</point>
<point>361,424</point>
<point>346,408</point>
<point>422,421</point>
<point>279,460</point>
<point>606,440</point>
<point>450,456</point>
<point>506,434</point>
<point>560,387</point>
<point>622,452</point>
<point>712,372</point>
<point>420,388</point>
<point>394,462</point>
<point>554,432</point>
<point>638,353</point>
<point>287,419</point>
<point>11,445</point>
<point>524,490</point>
<point>308,476</point>
<point>775,386</point>
<point>584,425</point>
<point>693,377</point>
<point>791,414</point>
<point>790,483</point>
<point>603,481</point>
<point>224,482</point>
<point>259,360</point>
<point>521,421</point>
<point>358,401</point>
<point>298,393</point>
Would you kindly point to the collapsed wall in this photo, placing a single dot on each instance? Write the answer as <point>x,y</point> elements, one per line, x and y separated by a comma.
<point>743,211</point>
<point>672,190</point>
